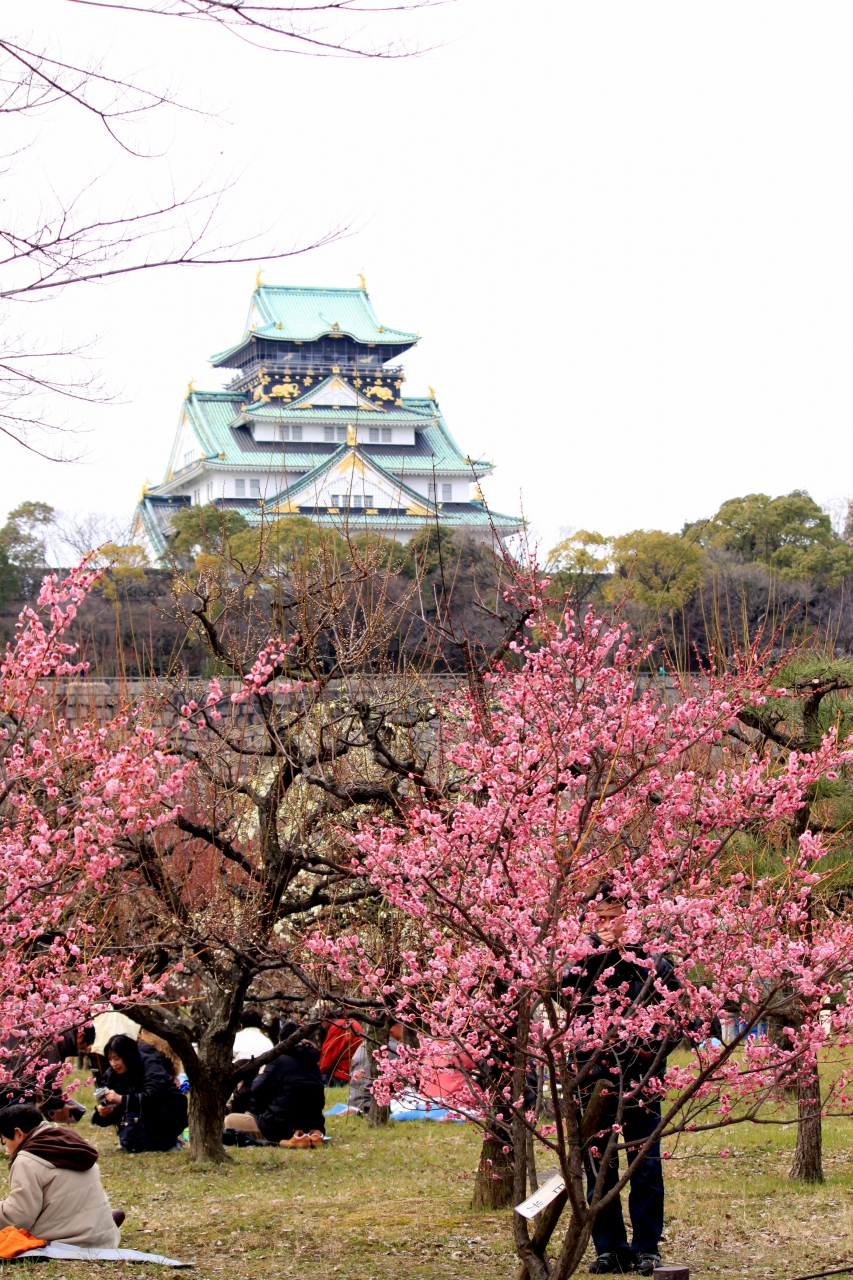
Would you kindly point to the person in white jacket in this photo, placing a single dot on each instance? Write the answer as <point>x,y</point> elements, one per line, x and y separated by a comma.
<point>54,1183</point>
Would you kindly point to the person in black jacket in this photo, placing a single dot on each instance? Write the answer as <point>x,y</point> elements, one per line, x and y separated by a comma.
<point>626,1065</point>
<point>141,1097</point>
<point>285,1096</point>
<point>77,1041</point>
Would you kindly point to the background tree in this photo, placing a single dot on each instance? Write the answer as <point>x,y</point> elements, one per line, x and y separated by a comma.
<point>806,700</point>
<point>25,538</point>
<point>582,564</point>
<point>661,571</point>
<point>307,723</point>
<point>790,534</point>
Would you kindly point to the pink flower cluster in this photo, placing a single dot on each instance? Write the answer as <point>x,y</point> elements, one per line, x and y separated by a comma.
<point>569,774</point>
<point>69,796</point>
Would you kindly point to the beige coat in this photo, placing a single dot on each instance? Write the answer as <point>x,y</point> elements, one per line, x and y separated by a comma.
<point>58,1204</point>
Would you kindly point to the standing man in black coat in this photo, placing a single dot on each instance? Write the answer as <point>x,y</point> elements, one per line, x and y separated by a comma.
<point>625,1065</point>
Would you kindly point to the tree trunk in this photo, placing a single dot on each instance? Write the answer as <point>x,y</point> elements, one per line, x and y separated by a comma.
<point>210,1081</point>
<point>776,1035</point>
<point>378,1116</point>
<point>493,1185</point>
<point>808,1158</point>
<point>207,1115</point>
<point>209,1066</point>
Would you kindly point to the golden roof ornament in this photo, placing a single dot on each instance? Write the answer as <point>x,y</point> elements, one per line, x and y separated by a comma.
<point>363,285</point>
<point>258,278</point>
<point>190,386</point>
<point>431,391</point>
<point>351,435</point>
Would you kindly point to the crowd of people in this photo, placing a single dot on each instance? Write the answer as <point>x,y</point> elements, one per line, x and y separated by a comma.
<point>55,1191</point>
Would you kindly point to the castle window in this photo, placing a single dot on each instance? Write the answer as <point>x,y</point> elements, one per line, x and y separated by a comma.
<point>357,500</point>
<point>374,435</point>
<point>431,491</point>
<point>197,497</point>
<point>329,433</point>
<point>255,488</point>
<point>342,433</point>
<point>296,433</point>
<point>368,499</point>
<point>386,435</point>
<point>336,499</point>
<point>447,493</point>
<point>239,488</point>
<point>210,490</point>
<point>188,457</point>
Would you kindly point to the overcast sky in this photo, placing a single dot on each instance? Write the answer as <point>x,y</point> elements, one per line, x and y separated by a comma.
<point>622,228</point>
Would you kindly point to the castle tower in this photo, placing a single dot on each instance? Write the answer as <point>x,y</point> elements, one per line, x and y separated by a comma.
<point>315,423</point>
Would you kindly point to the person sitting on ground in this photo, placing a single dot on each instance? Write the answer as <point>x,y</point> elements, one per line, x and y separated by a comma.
<point>141,1097</point>
<point>55,1187</point>
<point>285,1096</point>
<point>360,1068</point>
<point>251,1040</point>
<point>343,1036</point>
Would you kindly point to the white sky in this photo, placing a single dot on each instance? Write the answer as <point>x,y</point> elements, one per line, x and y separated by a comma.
<point>623,228</point>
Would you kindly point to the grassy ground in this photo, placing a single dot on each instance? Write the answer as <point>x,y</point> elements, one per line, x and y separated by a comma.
<point>377,1205</point>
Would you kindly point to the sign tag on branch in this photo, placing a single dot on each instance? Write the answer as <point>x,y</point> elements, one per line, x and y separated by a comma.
<point>537,1202</point>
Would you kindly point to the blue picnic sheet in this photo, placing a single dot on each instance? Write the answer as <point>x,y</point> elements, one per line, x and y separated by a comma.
<point>402,1111</point>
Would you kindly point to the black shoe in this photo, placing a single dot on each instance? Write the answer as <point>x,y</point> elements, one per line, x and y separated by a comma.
<point>645,1263</point>
<point>607,1263</point>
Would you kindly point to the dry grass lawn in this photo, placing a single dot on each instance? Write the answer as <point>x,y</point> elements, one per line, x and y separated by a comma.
<point>381,1205</point>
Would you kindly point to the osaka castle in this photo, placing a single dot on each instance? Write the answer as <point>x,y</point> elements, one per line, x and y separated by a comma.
<point>314,422</point>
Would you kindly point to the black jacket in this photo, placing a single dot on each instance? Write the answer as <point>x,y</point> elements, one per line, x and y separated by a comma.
<point>632,1056</point>
<point>286,1095</point>
<point>163,1107</point>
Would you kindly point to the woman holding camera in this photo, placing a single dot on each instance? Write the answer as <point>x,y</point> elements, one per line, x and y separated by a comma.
<point>140,1097</point>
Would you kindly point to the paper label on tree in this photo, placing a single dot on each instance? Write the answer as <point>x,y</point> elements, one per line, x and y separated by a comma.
<point>547,1192</point>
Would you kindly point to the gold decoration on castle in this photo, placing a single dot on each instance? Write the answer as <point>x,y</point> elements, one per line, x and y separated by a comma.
<point>363,284</point>
<point>286,389</point>
<point>351,439</point>
<point>258,278</point>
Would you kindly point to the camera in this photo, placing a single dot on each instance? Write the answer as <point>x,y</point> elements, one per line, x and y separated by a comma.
<point>100,1095</point>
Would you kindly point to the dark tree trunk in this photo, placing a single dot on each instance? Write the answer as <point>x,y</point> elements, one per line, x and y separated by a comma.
<point>493,1184</point>
<point>377,1116</point>
<point>209,1066</point>
<point>808,1157</point>
<point>207,1115</point>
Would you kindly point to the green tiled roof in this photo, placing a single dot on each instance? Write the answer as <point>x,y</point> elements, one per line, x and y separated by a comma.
<point>289,313</point>
<point>216,418</point>
<point>155,514</point>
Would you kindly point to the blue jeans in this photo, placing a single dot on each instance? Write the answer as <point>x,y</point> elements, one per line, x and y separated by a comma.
<point>645,1196</point>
